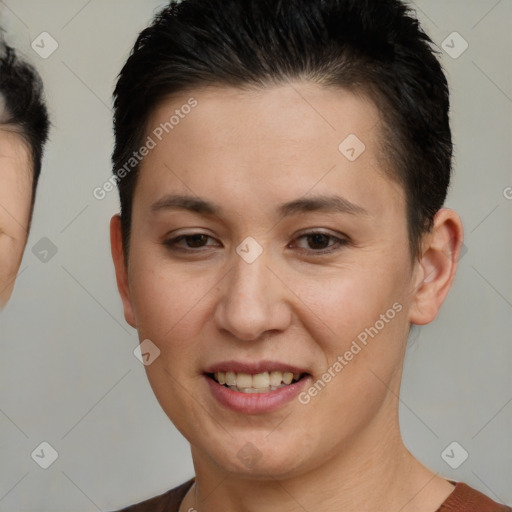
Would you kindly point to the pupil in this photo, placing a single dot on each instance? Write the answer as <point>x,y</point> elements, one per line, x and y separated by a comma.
<point>195,240</point>
<point>316,239</point>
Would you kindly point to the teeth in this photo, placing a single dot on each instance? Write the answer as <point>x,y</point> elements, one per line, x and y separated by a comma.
<point>258,383</point>
<point>244,380</point>
<point>260,380</point>
<point>287,377</point>
<point>276,378</point>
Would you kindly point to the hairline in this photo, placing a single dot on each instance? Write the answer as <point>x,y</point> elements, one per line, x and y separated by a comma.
<point>367,91</point>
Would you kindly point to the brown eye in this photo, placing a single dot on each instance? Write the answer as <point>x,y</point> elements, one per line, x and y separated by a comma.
<point>321,243</point>
<point>187,243</point>
<point>196,240</point>
<point>318,240</point>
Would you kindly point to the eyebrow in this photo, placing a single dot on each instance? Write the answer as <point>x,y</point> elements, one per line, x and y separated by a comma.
<point>328,204</point>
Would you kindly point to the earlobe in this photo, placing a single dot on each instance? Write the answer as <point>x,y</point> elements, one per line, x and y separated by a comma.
<point>437,266</point>
<point>123,285</point>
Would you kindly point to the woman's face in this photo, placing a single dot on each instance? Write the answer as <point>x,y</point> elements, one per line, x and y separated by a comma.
<point>300,260</point>
<point>15,200</point>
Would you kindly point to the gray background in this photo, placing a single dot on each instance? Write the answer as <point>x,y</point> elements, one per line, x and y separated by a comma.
<point>68,374</point>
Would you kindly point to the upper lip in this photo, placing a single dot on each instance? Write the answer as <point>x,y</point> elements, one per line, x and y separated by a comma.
<point>253,367</point>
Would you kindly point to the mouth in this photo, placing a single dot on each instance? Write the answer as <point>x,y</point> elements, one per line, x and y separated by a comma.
<point>263,382</point>
<point>255,387</point>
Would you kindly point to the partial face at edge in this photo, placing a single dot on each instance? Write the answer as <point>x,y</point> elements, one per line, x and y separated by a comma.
<point>302,301</point>
<point>15,200</point>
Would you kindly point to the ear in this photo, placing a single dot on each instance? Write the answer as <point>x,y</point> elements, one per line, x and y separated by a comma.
<point>437,266</point>
<point>123,284</point>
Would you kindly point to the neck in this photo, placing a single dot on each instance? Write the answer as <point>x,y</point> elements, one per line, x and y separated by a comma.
<point>371,472</point>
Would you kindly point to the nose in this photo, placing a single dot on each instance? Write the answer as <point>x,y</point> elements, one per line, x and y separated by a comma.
<point>253,300</point>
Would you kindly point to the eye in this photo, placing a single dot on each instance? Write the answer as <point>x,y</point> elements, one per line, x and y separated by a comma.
<point>192,241</point>
<point>322,243</point>
<point>317,242</point>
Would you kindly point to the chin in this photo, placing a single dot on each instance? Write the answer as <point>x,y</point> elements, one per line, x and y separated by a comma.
<point>256,456</point>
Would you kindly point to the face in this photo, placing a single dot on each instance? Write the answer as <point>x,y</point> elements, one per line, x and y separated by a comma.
<point>258,246</point>
<point>15,201</point>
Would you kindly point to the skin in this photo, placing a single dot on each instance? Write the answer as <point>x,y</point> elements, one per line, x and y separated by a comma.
<point>15,200</point>
<point>248,152</point>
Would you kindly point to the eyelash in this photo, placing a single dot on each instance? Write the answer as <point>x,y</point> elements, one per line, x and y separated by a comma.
<point>171,244</point>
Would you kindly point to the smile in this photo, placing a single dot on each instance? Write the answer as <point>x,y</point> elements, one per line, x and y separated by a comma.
<point>263,382</point>
<point>255,387</point>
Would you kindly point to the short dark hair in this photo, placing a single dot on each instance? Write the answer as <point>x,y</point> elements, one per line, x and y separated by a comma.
<point>375,47</point>
<point>24,110</point>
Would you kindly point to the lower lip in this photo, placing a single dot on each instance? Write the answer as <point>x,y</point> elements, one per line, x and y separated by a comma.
<point>255,403</point>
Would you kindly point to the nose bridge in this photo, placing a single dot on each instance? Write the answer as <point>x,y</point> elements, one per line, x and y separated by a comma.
<point>251,301</point>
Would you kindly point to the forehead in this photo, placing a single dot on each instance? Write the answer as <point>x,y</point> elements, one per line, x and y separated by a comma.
<point>296,112</point>
<point>295,137</point>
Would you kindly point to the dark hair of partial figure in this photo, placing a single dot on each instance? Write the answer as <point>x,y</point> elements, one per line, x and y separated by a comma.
<point>22,106</point>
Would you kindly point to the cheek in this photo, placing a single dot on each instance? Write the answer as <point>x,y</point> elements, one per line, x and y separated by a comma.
<point>364,328</point>
<point>11,253</point>
<point>360,331</point>
<point>170,305</point>
<point>359,325</point>
<point>15,198</point>
<point>342,306</point>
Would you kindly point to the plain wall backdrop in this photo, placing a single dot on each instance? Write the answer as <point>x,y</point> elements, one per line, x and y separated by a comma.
<point>68,375</point>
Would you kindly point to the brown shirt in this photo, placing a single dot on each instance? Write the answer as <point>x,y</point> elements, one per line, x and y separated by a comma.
<point>462,499</point>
